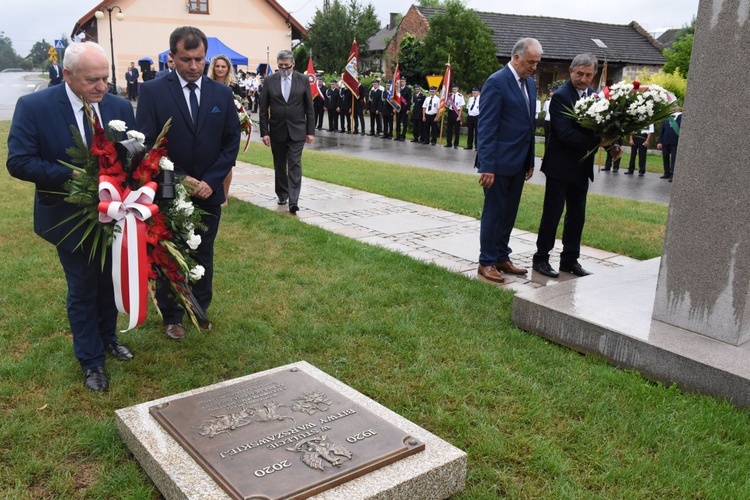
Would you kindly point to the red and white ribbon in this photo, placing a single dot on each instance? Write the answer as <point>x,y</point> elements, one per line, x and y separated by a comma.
<point>129,252</point>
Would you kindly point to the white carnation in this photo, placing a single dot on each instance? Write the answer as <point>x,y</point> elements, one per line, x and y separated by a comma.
<point>166,164</point>
<point>197,272</point>
<point>134,134</point>
<point>193,240</point>
<point>117,125</point>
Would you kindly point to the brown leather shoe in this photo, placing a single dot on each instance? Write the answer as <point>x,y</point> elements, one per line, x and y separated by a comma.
<point>508,267</point>
<point>489,273</point>
<point>175,331</point>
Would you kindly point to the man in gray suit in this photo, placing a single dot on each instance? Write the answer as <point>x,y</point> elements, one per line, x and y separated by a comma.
<point>287,122</point>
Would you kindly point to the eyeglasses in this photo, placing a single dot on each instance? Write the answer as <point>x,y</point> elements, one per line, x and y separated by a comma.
<point>285,66</point>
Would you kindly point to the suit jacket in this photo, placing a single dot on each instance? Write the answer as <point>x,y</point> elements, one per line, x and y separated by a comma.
<point>163,72</point>
<point>131,76</point>
<point>568,141</point>
<point>505,142</point>
<point>206,151</point>
<point>38,139</point>
<point>405,98</point>
<point>668,134</point>
<point>55,74</point>
<point>332,98</point>
<point>290,120</point>
<point>375,100</point>
<point>345,99</point>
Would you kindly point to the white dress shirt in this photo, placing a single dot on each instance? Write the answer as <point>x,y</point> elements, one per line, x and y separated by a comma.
<point>77,105</point>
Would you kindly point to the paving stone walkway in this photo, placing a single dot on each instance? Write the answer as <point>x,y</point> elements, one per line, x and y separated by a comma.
<point>443,238</point>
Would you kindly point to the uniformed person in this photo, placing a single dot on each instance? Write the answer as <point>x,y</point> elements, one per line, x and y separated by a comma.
<point>332,104</point>
<point>429,112</point>
<point>416,113</point>
<point>375,106</point>
<point>359,110</point>
<point>319,103</point>
<point>387,111</point>
<point>472,111</point>
<point>345,108</point>
<point>455,102</point>
<point>402,118</point>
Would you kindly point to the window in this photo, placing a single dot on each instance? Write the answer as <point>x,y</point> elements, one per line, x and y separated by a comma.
<point>198,6</point>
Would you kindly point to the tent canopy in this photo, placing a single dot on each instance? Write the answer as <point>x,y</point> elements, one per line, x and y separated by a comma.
<point>146,59</point>
<point>215,48</point>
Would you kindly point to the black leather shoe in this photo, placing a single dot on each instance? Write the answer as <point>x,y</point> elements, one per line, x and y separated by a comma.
<point>641,174</point>
<point>629,172</point>
<point>606,169</point>
<point>665,177</point>
<point>545,269</point>
<point>293,209</point>
<point>95,379</point>
<point>119,351</point>
<point>574,268</point>
<point>281,202</point>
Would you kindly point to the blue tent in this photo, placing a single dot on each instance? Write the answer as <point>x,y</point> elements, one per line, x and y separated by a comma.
<point>215,48</point>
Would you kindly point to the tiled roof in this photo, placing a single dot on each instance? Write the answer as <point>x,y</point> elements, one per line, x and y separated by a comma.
<point>379,41</point>
<point>668,37</point>
<point>563,39</point>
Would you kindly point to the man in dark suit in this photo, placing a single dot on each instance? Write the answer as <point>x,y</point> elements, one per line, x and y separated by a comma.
<point>39,137</point>
<point>167,69</point>
<point>568,174</point>
<point>505,155</point>
<point>374,106</point>
<point>287,122</point>
<point>131,77</point>
<point>359,110</point>
<point>55,74</point>
<point>668,139</point>
<point>203,142</point>
<point>402,118</point>
<point>319,104</point>
<point>332,105</point>
<point>345,108</point>
<point>416,113</point>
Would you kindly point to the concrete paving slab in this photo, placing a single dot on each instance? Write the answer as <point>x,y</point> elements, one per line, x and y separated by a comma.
<point>399,223</point>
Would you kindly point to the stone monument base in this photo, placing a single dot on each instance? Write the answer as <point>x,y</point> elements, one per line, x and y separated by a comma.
<point>609,314</point>
<point>437,472</point>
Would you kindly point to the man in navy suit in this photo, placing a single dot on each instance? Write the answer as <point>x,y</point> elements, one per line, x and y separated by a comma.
<point>55,74</point>
<point>505,155</point>
<point>568,174</point>
<point>38,139</point>
<point>287,122</point>
<point>203,143</point>
<point>668,139</point>
<point>167,69</point>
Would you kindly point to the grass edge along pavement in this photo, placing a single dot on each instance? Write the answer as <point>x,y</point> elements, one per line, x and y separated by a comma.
<point>622,226</point>
<point>536,419</point>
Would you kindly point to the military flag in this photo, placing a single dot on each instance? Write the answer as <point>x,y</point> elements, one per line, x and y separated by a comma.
<point>351,73</point>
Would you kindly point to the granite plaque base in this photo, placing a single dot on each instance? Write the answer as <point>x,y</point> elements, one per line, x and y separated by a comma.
<point>314,432</point>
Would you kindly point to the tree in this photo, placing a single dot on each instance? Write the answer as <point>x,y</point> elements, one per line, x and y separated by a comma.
<point>39,53</point>
<point>411,59</point>
<point>332,31</point>
<point>8,56</point>
<point>460,35</point>
<point>435,4</point>
<point>678,55</point>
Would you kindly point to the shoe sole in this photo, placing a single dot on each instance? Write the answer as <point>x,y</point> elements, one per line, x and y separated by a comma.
<point>482,277</point>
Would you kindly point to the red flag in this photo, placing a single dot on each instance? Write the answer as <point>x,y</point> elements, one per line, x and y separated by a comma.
<point>351,73</point>
<point>396,97</point>
<point>312,79</point>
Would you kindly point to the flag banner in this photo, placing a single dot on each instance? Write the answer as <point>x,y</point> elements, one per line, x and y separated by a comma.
<point>445,91</point>
<point>391,99</point>
<point>351,73</point>
<point>396,98</point>
<point>313,79</point>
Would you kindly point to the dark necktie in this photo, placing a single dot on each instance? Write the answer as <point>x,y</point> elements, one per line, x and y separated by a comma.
<point>473,103</point>
<point>524,90</point>
<point>87,128</point>
<point>193,102</point>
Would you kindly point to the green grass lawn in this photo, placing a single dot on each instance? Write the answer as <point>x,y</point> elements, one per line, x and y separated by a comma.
<point>537,420</point>
<point>628,227</point>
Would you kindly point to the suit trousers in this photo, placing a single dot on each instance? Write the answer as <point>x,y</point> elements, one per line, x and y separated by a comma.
<point>417,126</point>
<point>498,217</point>
<point>172,312</point>
<point>287,165</point>
<point>559,195</point>
<point>638,149</point>
<point>453,128</point>
<point>333,120</point>
<point>91,308</point>
<point>319,109</point>
<point>376,123</point>
<point>402,122</point>
<point>429,131</point>
<point>346,120</point>
<point>669,155</point>
<point>387,124</point>
<point>471,125</point>
<point>359,120</point>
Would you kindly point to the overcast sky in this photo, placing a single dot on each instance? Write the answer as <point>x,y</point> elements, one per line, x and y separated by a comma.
<point>28,21</point>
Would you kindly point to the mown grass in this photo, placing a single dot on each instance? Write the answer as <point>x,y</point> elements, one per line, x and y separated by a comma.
<point>628,227</point>
<point>537,420</point>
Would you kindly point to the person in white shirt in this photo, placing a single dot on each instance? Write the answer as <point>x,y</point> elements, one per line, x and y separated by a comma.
<point>472,111</point>
<point>429,112</point>
<point>547,121</point>
<point>455,102</point>
<point>639,148</point>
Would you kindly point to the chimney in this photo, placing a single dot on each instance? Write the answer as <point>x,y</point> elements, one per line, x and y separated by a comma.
<point>394,20</point>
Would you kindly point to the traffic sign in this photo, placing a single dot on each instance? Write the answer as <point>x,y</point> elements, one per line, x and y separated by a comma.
<point>59,44</point>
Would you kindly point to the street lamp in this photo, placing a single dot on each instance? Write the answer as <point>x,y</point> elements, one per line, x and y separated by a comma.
<point>120,16</point>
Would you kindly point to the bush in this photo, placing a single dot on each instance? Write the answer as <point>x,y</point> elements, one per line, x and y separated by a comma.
<point>673,82</point>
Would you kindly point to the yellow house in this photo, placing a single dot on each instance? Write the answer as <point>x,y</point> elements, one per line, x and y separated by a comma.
<point>258,29</point>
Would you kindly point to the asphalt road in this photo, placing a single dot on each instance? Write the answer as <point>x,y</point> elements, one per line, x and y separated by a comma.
<point>13,85</point>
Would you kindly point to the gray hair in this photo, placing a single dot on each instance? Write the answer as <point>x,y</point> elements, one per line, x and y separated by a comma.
<point>75,50</point>
<point>584,60</point>
<point>524,44</point>
<point>285,55</point>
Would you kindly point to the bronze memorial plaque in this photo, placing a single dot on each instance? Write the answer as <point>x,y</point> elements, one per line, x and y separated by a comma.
<point>284,435</point>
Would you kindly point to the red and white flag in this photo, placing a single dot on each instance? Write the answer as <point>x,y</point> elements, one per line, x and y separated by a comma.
<point>312,78</point>
<point>446,90</point>
<point>351,73</point>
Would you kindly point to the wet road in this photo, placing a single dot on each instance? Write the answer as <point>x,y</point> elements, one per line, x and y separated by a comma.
<point>14,85</point>
<point>647,188</point>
